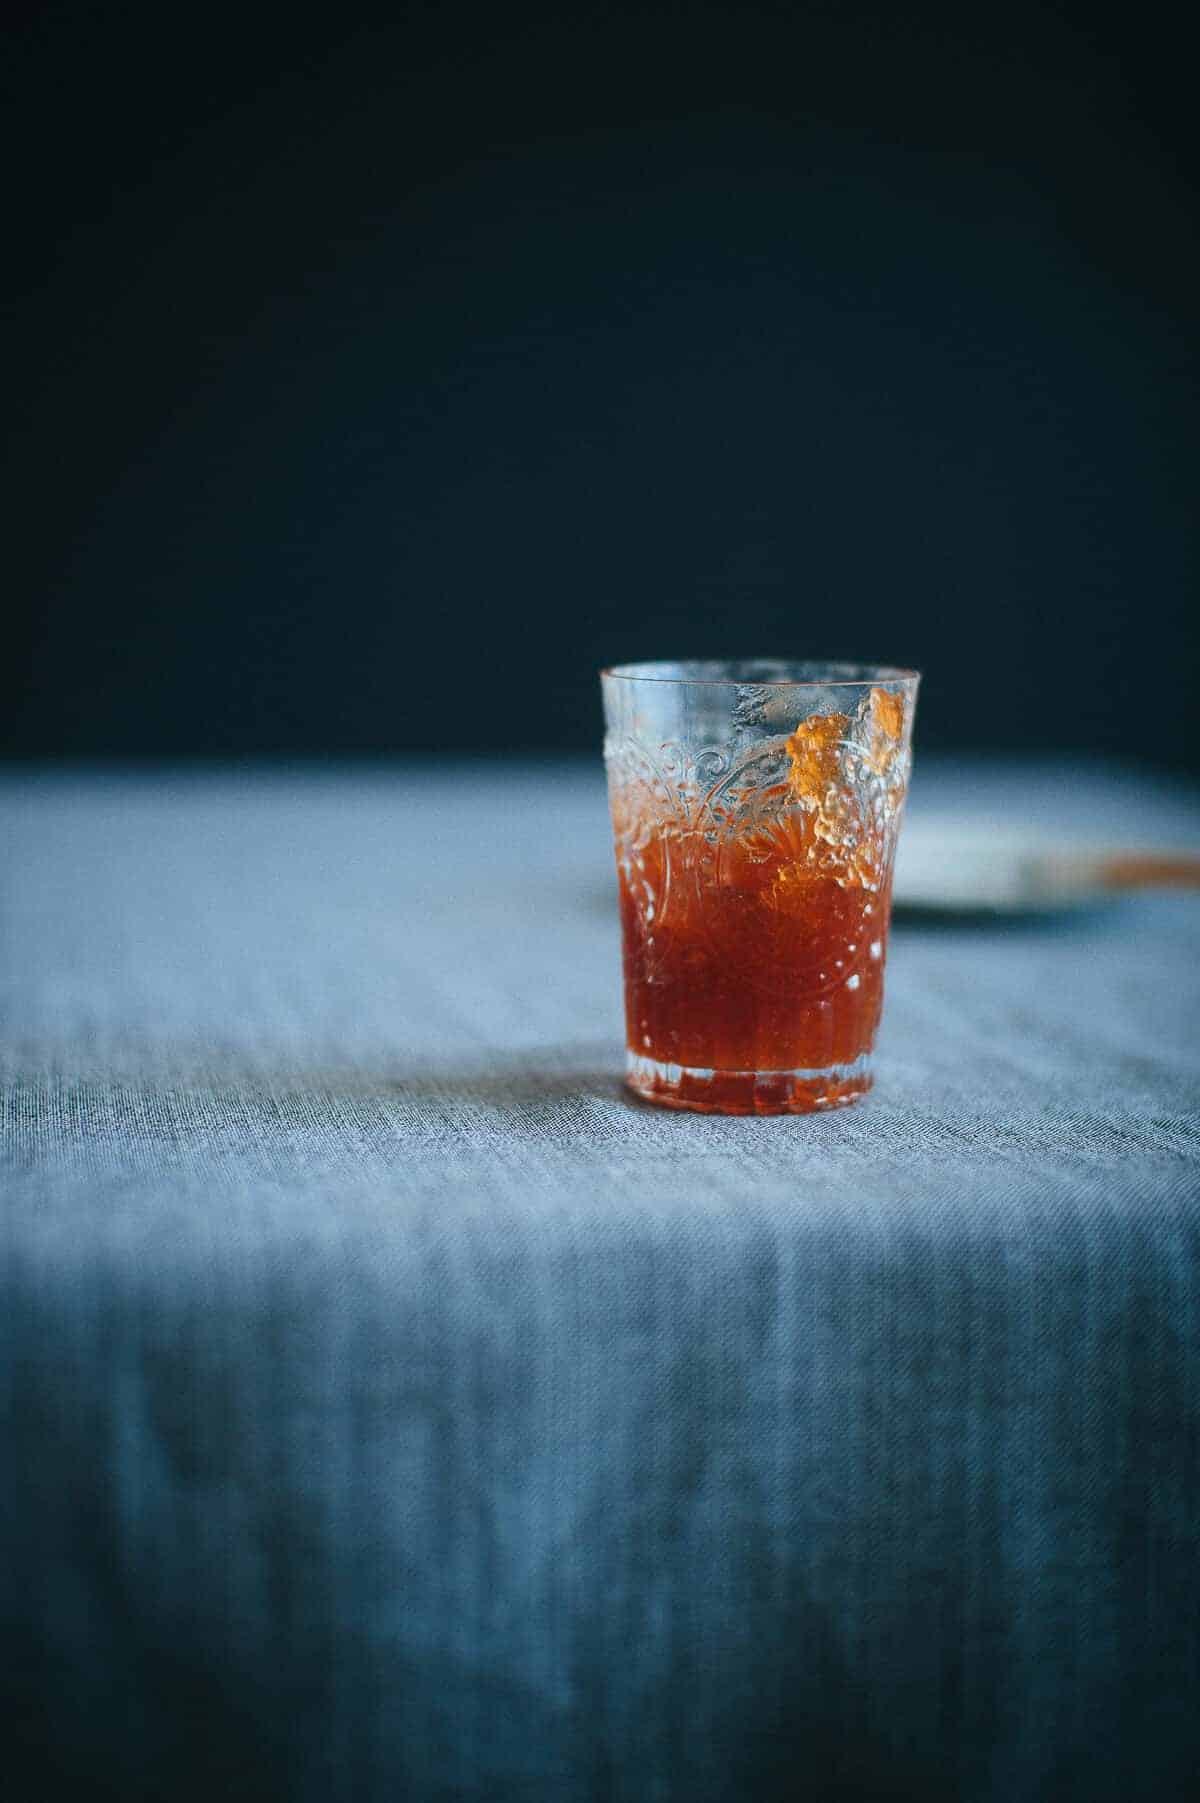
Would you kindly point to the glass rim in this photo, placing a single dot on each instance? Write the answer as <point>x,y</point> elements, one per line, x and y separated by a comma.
<point>840,675</point>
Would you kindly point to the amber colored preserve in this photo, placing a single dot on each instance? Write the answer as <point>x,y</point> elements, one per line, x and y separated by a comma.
<point>755,921</point>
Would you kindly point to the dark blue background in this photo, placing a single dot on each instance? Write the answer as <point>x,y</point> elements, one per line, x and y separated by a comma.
<point>375,383</point>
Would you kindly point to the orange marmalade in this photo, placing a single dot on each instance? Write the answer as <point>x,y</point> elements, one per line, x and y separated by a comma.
<point>755,924</point>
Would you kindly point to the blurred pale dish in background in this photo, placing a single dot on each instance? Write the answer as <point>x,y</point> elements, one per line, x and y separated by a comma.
<point>954,866</point>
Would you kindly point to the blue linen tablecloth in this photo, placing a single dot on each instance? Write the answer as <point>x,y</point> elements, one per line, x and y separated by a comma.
<point>391,1408</point>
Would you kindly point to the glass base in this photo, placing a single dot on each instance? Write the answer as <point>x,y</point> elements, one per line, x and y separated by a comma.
<point>748,1092</point>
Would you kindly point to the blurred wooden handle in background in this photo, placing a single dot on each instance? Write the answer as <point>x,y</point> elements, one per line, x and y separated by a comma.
<point>1149,870</point>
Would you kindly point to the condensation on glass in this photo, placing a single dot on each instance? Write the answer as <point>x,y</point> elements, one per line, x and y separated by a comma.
<point>756,808</point>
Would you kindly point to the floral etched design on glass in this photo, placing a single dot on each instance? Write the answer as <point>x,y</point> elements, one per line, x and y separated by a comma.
<point>756,808</point>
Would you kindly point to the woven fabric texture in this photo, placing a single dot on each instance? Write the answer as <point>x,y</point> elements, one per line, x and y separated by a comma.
<point>392,1408</point>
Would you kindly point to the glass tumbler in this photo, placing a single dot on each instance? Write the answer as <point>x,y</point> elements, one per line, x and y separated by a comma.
<point>756,807</point>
